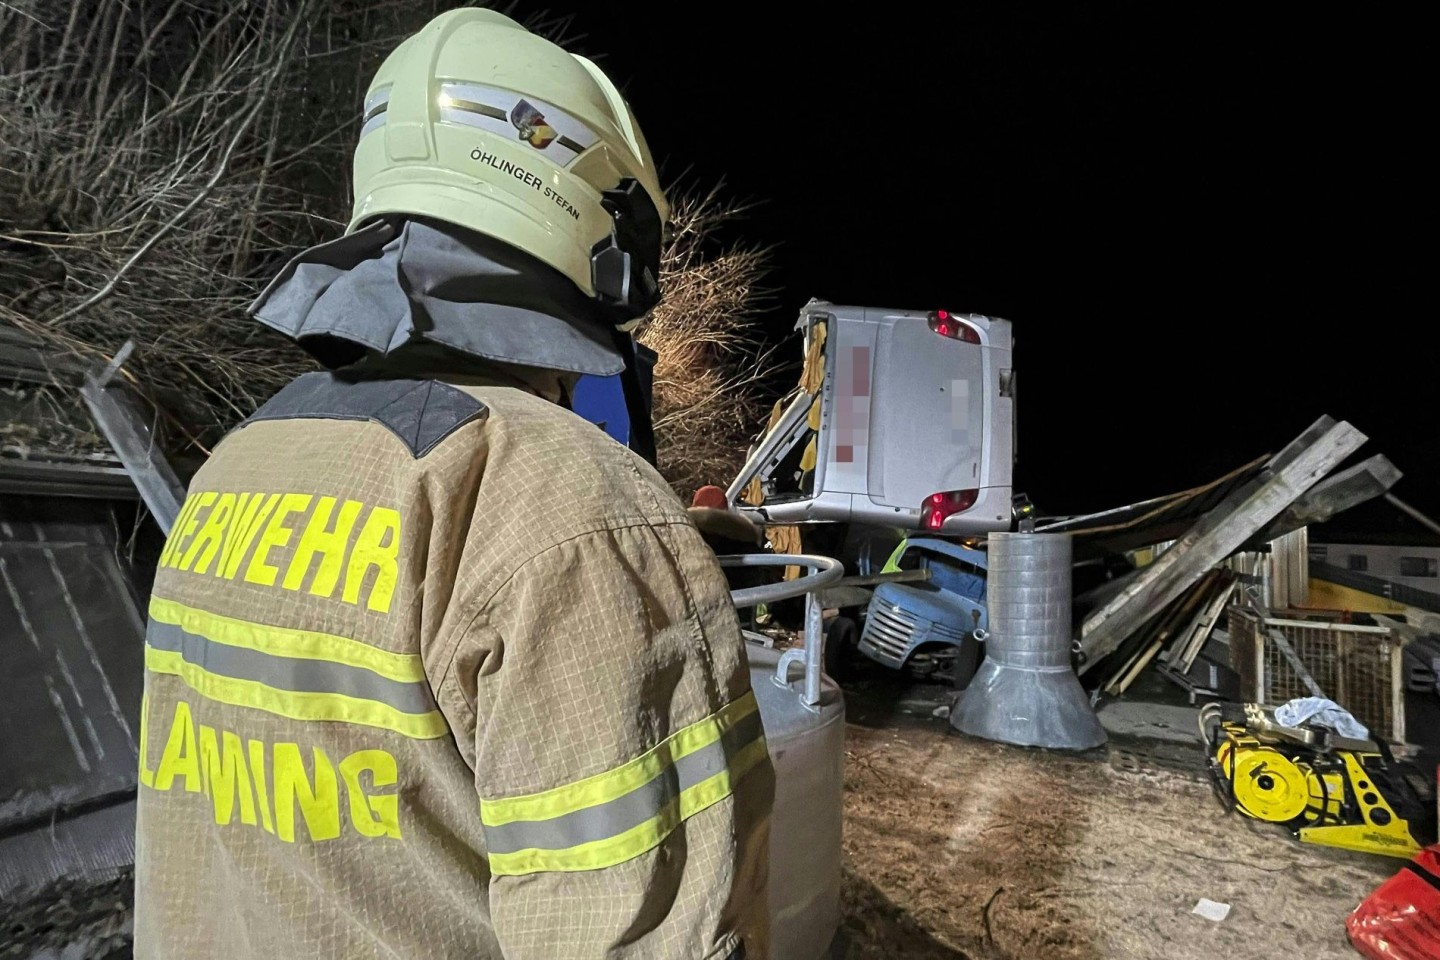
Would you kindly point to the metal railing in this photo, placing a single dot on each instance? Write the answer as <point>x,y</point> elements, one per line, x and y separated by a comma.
<point>827,571</point>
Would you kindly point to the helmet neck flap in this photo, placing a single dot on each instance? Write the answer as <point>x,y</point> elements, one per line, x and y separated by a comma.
<point>400,282</point>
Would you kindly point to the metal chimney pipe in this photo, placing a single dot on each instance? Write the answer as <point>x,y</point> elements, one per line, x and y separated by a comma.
<point>1026,691</point>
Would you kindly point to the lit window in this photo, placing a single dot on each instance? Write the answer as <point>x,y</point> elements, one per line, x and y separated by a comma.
<point>1419,567</point>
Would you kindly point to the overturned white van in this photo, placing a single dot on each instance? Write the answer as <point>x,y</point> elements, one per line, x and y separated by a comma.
<point>903,419</point>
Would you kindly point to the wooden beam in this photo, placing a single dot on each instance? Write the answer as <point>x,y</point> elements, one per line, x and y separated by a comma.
<point>1333,495</point>
<point>875,579</point>
<point>1202,635</point>
<point>1155,631</point>
<point>1217,535</point>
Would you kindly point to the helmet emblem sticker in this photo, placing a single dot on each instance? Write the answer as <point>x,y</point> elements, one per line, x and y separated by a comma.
<point>532,126</point>
<point>544,126</point>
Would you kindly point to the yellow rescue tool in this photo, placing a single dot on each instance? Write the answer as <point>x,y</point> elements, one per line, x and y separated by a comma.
<point>1325,788</point>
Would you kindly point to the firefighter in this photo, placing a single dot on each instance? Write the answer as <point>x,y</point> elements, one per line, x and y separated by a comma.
<point>434,668</point>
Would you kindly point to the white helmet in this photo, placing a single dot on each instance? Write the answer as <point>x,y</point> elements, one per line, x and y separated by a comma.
<point>478,122</point>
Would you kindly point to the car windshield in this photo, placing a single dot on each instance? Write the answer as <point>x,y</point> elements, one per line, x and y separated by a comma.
<point>956,576</point>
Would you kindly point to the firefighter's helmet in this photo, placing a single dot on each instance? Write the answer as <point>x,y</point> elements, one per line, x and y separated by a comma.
<point>478,122</point>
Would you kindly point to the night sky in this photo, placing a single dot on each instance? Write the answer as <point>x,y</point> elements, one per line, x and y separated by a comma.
<point>1207,225</point>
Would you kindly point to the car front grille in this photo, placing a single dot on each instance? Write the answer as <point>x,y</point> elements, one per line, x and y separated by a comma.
<point>888,633</point>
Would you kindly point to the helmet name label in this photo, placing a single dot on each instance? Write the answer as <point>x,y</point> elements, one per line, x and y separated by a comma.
<point>562,203</point>
<point>506,166</point>
<point>526,177</point>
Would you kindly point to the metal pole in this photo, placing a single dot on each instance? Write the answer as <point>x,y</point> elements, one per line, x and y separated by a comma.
<point>133,441</point>
<point>1415,514</point>
<point>814,650</point>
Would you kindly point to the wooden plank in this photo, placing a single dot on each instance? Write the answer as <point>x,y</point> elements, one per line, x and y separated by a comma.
<point>1205,619</point>
<point>1188,603</point>
<point>1178,637</point>
<point>1397,694</point>
<point>1324,625</point>
<point>1203,625</point>
<point>1141,663</point>
<point>1112,686</point>
<point>1214,626</point>
<point>1131,654</point>
<point>1136,645</point>
<point>1175,656</point>
<point>1171,653</point>
<point>1206,626</point>
<point>1331,496</point>
<point>1153,641</point>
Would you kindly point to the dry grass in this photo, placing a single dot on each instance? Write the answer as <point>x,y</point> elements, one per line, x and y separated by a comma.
<point>713,360</point>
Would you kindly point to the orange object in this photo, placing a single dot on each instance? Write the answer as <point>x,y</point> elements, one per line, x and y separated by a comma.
<point>710,496</point>
<point>1401,919</point>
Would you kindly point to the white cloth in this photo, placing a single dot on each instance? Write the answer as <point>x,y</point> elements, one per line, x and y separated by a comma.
<point>1322,713</point>
<point>1212,909</point>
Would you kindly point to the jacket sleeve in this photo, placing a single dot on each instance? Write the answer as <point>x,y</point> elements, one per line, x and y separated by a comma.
<point>624,783</point>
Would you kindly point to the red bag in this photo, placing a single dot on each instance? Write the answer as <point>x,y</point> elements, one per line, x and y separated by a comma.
<point>1401,919</point>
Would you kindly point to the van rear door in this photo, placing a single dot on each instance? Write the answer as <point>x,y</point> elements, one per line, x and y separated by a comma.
<point>938,423</point>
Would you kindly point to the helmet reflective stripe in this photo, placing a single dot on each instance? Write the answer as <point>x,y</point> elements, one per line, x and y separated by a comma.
<point>375,106</point>
<point>544,126</point>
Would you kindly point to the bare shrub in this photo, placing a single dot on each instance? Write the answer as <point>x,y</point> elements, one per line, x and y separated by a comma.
<point>161,161</point>
<point>713,361</point>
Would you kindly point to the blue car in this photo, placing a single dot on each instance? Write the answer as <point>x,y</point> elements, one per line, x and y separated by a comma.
<point>941,614</point>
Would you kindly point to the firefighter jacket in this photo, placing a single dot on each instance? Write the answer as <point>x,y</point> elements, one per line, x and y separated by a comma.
<point>442,671</point>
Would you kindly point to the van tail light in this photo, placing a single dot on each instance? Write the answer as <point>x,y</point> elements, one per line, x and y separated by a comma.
<point>938,506</point>
<point>949,325</point>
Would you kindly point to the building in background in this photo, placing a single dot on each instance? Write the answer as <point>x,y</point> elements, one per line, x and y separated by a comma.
<point>1377,573</point>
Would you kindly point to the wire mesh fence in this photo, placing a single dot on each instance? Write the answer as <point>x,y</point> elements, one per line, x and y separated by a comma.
<point>1357,666</point>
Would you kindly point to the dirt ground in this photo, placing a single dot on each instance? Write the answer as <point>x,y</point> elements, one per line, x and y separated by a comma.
<point>962,848</point>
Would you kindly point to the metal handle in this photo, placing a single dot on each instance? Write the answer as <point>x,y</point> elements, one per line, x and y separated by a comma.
<point>827,571</point>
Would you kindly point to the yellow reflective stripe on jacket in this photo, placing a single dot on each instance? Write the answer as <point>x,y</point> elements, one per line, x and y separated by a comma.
<point>618,815</point>
<point>199,647</point>
<point>287,642</point>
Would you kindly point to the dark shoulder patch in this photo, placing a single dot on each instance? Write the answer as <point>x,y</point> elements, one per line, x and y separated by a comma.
<point>419,412</point>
